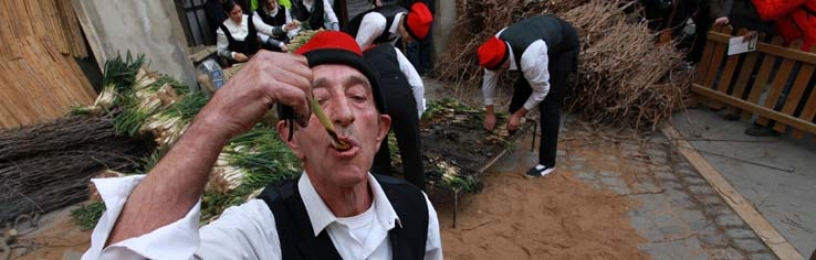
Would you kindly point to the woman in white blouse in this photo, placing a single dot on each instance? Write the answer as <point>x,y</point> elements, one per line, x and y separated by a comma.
<point>232,39</point>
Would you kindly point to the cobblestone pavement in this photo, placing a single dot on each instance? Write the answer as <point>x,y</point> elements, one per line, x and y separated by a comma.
<point>680,214</point>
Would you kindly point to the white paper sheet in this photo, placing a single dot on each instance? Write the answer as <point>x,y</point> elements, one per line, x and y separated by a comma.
<point>737,45</point>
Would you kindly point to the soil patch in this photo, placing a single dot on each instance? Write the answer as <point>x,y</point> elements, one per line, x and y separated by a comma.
<point>554,217</point>
<point>57,237</point>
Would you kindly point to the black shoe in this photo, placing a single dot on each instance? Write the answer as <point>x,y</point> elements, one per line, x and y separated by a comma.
<point>760,131</point>
<point>535,173</point>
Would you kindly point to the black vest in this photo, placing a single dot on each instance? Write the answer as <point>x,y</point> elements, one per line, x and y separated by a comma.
<point>393,82</point>
<point>250,45</point>
<point>388,11</point>
<point>315,18</point>
<point>278,20</point>
<point>297,236</point>
<point>543,27</point>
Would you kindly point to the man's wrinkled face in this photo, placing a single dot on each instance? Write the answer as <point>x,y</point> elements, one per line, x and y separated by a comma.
<point>346,96</point>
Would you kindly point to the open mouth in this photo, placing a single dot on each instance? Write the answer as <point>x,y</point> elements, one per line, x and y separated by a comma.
<point>340,144</point>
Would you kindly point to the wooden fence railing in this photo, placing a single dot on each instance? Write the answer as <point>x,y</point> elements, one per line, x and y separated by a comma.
<point>738,81</point>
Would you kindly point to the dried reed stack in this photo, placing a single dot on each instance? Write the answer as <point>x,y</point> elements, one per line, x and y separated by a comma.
<point>48,166</point>
<point>624,78</point>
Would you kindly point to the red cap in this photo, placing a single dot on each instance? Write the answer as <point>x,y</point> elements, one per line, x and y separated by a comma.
<point>334,47</point>
<point>418,21</point>
<point>492,53</point>
<point>330,40</point>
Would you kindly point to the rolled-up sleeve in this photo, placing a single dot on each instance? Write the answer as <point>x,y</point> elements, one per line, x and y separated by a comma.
<point>489,81</point>
<point>242,232</point>
<point>178,240</point>
<point>535,67</point>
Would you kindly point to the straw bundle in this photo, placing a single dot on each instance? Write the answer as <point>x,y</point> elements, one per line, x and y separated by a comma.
<point>625,80</point>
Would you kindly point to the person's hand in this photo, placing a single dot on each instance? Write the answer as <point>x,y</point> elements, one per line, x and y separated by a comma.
<point>514,123</point>
<point>269,78</point>
<point>284,48</point>
<point>240,57</point>
<point>291,26</point>
<point>489,121</point>
<point>722,21</point>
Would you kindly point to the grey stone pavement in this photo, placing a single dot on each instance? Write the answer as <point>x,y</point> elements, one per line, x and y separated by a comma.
<point>776,174</point>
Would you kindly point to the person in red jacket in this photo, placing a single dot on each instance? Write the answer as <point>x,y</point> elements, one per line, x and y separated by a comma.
<point>795,19</point>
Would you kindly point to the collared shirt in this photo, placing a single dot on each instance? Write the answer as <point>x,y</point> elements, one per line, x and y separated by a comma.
<point>373,25</point>
<point>534,67</point>
<point>248,231</point>
<point>239,33</point>
<point>413,79</point>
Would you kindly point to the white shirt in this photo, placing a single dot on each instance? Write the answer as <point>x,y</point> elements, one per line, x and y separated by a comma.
<point>534,67</point>
<point>329,15</point>
<point>413,79</point>
<point>239,33</point>
<point>372,26</point>
<point>248,231</point>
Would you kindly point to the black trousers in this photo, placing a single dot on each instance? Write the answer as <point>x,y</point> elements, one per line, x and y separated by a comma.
<point>563,62</point>
<point>405,124</point>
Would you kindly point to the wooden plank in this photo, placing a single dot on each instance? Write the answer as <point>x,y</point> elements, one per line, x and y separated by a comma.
<point>779,83</point>
<point>766,112</point>
<point>809,110</point>
<point>745,74</point>
<point>727,74</point>
<point>809,113</point>
<point>797,91</point>
<point>744,209</point>
<point>702,71</point>
<point>765,70</point>
<point>714,66</point>
<point>90,33</point>
<point>774,49</point>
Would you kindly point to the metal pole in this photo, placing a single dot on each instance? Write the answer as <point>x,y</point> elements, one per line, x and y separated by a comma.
<point>455,206</point>
<point>535,126</point>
